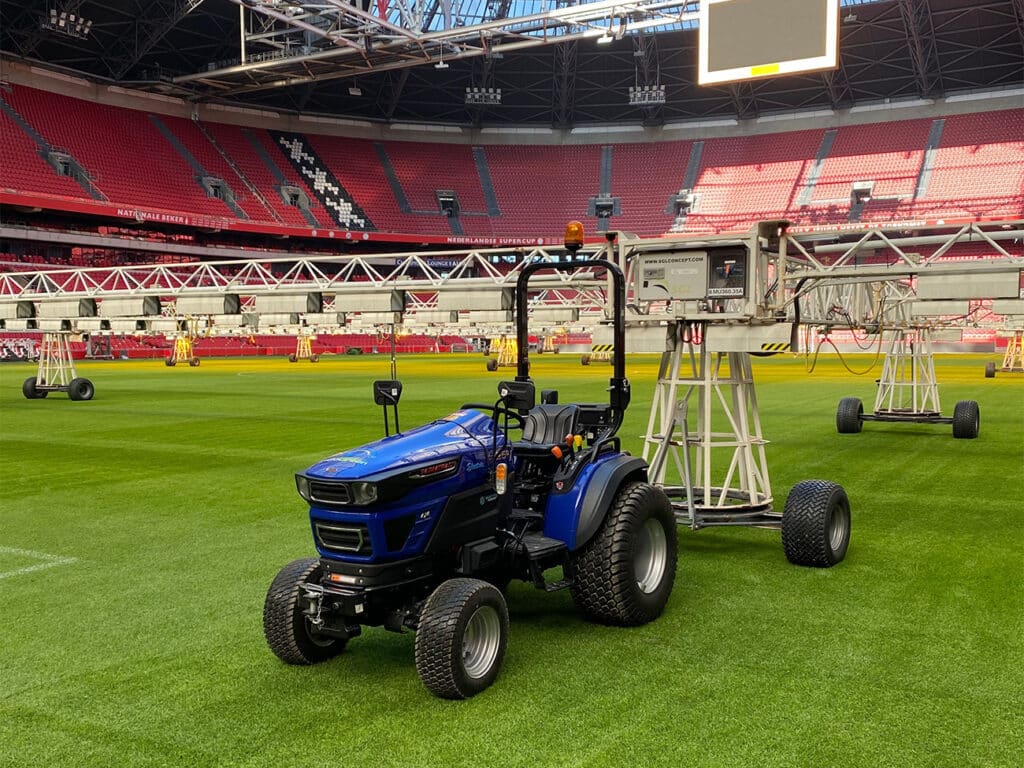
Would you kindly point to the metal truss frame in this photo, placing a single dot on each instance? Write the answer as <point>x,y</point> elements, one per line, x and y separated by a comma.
<point>868,273</point>
<point>353,40</point>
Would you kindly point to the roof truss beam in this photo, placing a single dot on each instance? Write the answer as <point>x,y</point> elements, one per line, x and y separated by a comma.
<point>152,29</point>
<point>917,19</point>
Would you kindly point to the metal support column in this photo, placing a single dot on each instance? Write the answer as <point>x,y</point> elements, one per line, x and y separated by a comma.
<point>719,388</point>
<point>908,384</point>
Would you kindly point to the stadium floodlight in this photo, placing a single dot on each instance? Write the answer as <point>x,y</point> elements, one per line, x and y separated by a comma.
<point>750,39</point>
<point>491,96</point>
<point>66,23</point>
<point>646,95</point>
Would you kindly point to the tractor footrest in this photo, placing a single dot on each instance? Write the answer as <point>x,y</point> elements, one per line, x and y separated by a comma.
<point>539,546</point>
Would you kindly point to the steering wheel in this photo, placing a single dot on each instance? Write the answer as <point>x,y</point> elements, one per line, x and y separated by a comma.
<point>497,410</point>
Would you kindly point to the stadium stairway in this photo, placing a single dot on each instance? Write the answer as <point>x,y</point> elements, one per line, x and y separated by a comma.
<point>227,194</point>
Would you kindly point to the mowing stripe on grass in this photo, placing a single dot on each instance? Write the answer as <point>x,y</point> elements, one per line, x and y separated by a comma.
<point>48,561</point>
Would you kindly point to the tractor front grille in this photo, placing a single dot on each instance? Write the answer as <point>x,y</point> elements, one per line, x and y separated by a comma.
<point>340,537</point>
<point>327,492</point>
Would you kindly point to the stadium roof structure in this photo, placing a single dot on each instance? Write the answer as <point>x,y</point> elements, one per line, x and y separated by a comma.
<point>553,63</point>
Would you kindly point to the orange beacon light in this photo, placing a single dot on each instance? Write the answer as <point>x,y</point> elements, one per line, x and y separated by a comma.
<point>573,236</point>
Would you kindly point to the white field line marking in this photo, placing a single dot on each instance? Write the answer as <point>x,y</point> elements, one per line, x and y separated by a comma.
<point>49,561</point>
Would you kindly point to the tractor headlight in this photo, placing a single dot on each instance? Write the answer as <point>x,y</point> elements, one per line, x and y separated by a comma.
<point>302,485</point>
<point>363,494</point>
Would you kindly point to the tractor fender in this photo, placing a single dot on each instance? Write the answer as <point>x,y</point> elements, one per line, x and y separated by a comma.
<point>575,517</point>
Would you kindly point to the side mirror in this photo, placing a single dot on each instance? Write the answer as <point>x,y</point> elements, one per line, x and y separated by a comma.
<point>387,392</point>
<point>518,395</point>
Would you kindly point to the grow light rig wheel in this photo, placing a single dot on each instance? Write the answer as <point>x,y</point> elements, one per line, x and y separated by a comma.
<point>816,524</point>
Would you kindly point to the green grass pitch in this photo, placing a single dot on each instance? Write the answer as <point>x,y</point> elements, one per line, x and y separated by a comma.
<point>139,532</point>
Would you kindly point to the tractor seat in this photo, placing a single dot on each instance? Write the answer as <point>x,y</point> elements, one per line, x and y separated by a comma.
<point>546,426</point>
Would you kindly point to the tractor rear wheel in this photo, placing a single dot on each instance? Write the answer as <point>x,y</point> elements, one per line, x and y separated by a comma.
<point>816,524</point>
<point>461,637</point>
<point>849,416</point>
<point>81,389</point>
<point>966,419</point>
<point>289,632</point>
<point>29,390</point>
<point>624,575</point>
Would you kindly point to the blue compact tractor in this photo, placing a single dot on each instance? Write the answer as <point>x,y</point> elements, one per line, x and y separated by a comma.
<point>424,529</point>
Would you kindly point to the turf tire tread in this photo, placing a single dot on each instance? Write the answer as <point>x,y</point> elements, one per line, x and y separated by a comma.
<point>848,416</point>
<point>437,635</point>
<point>965,420</point>
<point>604,582</point>
<point>805,538</point>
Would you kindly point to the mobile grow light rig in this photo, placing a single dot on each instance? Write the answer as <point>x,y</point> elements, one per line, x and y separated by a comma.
<point>717,301</point>
<point>421,530</point>
<point>56,370</point>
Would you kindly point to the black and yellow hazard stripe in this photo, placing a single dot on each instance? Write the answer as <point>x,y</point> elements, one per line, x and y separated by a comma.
<point>781,346</point>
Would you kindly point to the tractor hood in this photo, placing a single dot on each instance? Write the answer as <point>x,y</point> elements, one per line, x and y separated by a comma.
<point>450,437</point>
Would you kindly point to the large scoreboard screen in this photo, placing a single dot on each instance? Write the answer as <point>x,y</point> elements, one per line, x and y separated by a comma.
<point>750,39</point>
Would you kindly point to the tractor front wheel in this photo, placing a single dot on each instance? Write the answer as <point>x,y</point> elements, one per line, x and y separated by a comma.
<point>287,628</point>
<point>816,524</point>
<point>624,575</point>
<point>461,637</point>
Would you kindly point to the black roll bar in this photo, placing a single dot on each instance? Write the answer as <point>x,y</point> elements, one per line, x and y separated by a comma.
<point>619,384</point>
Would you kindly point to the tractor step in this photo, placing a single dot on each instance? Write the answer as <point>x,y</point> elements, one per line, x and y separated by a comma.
<point>554,586</point>
<point>539,546</point>
<point>543,553</point>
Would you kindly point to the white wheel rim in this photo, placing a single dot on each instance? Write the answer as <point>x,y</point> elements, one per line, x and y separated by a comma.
<point>650,556</point>
<point>838,528</point>
<point>481,641</point>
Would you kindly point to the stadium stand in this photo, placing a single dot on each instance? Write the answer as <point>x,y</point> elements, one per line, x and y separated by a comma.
<point>979,168</point>
<point>24,168</point>
<point>889,155</point>
<point>969,165</point>
<point>539,188</point>
<point>140,168</point>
